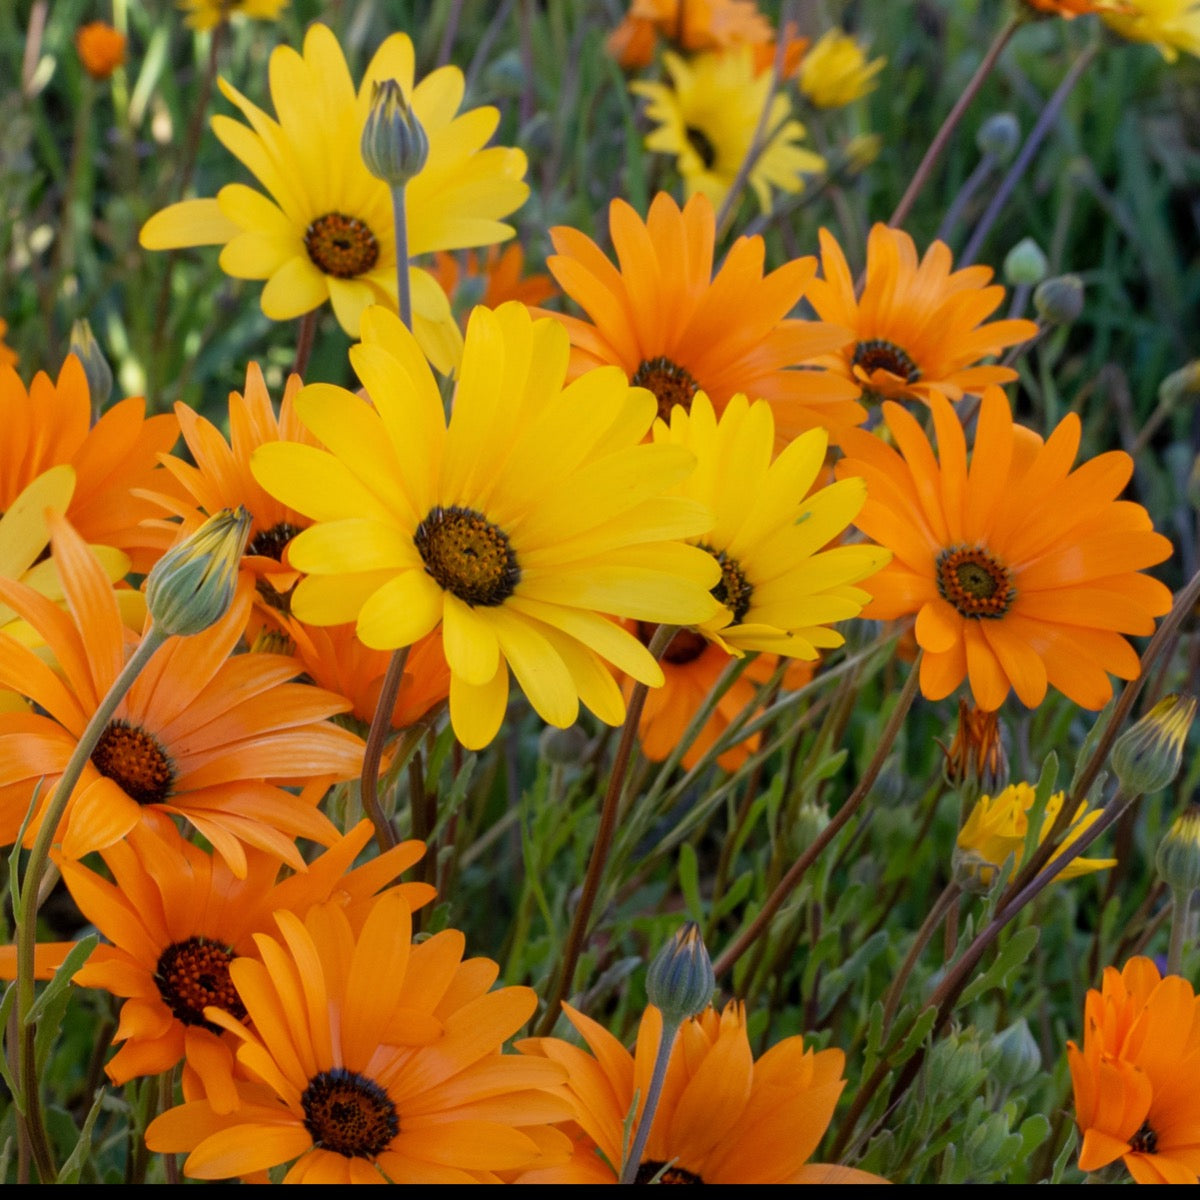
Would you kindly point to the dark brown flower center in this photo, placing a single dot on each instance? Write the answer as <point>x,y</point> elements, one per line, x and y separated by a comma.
<point>349,1114</point>
<point>135,762</point>
<point>467,555</point>
<point>670,383</point>
<point>1145,1140</point>
<point>340,245</point>
<point>194,974</point>
<point>974,582</point>
<point>702,144</point>
<point>734,591</point>
<point>650,1169</point>
<point>686,646</point>
<point>271,543</point>
<point>878,355</point>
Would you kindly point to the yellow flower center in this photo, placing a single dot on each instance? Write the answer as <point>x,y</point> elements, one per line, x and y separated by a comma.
<point>271,543</point>
<point>341,246</point>
<point>734,591</point>
<point>468,556</point>
<point>349,1114</point>
<point>134,761</point>
<point>974,582</point>
<point>686,646</point>
<point>650,1170</point>
<point>194,974</point>
<point>702,144</point>
<point>1145,1140</point>
<point>670,383</point>
<point>878,355</point>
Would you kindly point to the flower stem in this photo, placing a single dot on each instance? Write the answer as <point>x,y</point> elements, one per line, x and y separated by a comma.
<point>928,928</point>
<point>942,137</point>
<point>1181,903</point>
<point>304,342</point>
<point>381,721</point>
<point>604,838</point>
<point>792,879</point>
<point>403,286</point>
<point>31,881</point>
<point>1032,144</point>
<point>191,145</point>
<point>657,1077</point>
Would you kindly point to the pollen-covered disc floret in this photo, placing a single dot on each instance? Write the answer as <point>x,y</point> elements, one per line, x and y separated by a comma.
<point>341,245</point>
<point>517,530</point>
<point>671,384</point>
<point>193,974</point>
<point>349,1113</point>
<point>1022,573</point>
<point>134,761</point>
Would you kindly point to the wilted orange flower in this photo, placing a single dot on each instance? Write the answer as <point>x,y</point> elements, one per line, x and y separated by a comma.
<point>490,280</point>
<point>689,25</point>
<point>1022,573</point>
<point>675,328</point>
<point>1135,1078</point>
<point>101,48</point>
<point>221,479</point>
<point>360,1083</point>
<point>918,328</point>
<point>976,755</point>
<point>200,735</point>
<point>51,423</point>
<point>722,1116</point>
<point>177,917</point>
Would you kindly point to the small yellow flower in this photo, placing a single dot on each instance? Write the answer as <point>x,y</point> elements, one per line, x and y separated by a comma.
<point>836,72</point>
<point>996,829</point>
<point>208,14</point>
<point>1168,25</point>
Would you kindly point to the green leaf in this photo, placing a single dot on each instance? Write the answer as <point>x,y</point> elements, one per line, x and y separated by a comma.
<point>689,882</point>
<point>73,1167</point>
<point>6,1006</point>
<point>1008,962</point>
<point>78,955</point>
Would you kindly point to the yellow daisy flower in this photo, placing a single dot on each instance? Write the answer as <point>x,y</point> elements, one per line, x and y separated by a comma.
<point>512,528</point>
<point>779,589</point>
<point>325,232</point>
<point>835,71</point>
<point>208,14</point>
<point>1168,25</point>
<point>707,117</point>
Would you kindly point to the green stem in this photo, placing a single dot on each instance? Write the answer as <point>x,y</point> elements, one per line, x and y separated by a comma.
<point>381,722</point>
<point>940,907</point>
<point>1181,900</point>
<point>39,860</point>
<point>653,1092</point>
<point>403,286</point>
<point>604,838</point>
<point>791,880</point>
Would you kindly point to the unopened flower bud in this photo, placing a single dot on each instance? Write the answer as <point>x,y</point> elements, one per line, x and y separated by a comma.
<point>95,366</point>
<point>1015,1055</point>
<point>394,142</point>
<point>192,586</point>
<point>680,981</point>
<point>1146,757</point>
<point>861,151</point>
<point>1193,485</point>
<point>999,136</point>
<point>563,747</point>
<point>1178,858</point>
<point>1025,263</point>
<point>1180,385</point>
<point>1059,301</point>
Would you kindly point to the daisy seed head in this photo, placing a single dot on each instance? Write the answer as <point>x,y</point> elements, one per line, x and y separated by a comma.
<point>394,143</point>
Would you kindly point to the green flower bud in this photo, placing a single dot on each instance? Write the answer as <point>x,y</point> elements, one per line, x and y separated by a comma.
<point>1180,385</point>
<point>680,981</point>
<point>1014,1055</point>
<point>1178,858</point>
<point>563,747</point>
<point>999,136</point>
<point>95,366</point>
<point>191,587</point>
<point>394,143</point>
<point>1025,263</point>
<point>811,819</point>
<point>1059,301</point>
<point>1146,757</point>
<point>1193,485</point>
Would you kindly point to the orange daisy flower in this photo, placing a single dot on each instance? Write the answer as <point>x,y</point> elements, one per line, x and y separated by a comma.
<point>469,279</point>
<point>691,667</point>
<point>688,24</point>
<point>221,479</point>
<point>51,423</point>
<point>1022,573</point>
<point>918,328</point>
<point>8,356</point>
<point>177,917</point>
<point>200,735</point>
<point>675,328</point>
<point>334,659</point>
<point>1135,1078</point>
<point>1074,8</point>
<point>722,1117</point>
<point>366,1084</point>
